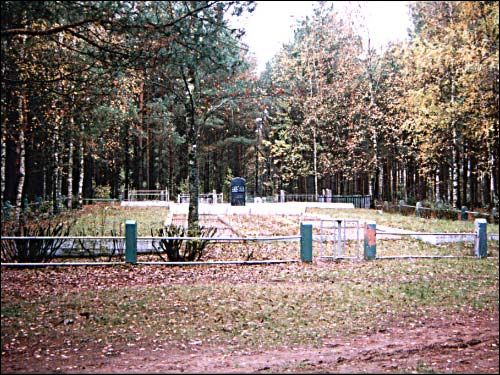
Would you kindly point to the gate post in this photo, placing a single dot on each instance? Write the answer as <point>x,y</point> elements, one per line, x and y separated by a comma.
<point>306,242</point>
<point>370,243</point>
<point>130,241</point>
<point>463,213</point>
<point>481,243</point>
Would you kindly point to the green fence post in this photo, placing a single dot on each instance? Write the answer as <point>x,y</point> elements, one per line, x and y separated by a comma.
<point>481,243</point>
<point>463,213</point>
<point>370,243</point>
<point>130,241</point>
<point>306,242</point>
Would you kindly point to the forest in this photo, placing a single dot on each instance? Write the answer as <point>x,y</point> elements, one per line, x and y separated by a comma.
<point>100,98</point>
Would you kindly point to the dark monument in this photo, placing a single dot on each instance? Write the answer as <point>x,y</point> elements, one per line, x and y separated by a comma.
<point>238,191</point>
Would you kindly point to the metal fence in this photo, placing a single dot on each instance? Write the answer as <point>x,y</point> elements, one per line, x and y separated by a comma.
<point>438,213</point>
<point>359,201</point>
<point>210,198</point>
<point>21,251</point>
<point>339,233</point>
<point>148,195</point>
<point>341,238</point>
<point>18,251</point>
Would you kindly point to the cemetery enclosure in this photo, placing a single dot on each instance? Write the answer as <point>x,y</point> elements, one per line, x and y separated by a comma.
<point>324,315</point>
<point>267,232</point>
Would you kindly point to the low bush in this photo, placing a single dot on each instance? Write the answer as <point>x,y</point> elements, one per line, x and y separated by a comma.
<point>179,250</point>
<point>34,249</point>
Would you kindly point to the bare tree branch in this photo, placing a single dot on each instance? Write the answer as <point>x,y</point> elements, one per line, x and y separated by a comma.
<point>51,31</point>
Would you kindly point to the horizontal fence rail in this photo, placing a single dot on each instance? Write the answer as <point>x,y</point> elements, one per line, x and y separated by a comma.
<point>359,201</point>
<point>226,239</point>
<point>127,247</point>
<point>426,233</point>
<point>202,198</point>
<point>215,239</point>
<point>62,238</point>
<point>193,263</point>
<point>142,195</point>
<point>419,210</point>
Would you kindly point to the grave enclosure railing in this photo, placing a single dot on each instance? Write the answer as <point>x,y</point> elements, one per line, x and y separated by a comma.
<point>126,247</point>
<point>440,213</point>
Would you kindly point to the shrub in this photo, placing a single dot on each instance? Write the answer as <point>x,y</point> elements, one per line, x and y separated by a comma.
<point>102,192</point>
<point>97,249</point>
<point>179,250</point>
<point>35,250</point>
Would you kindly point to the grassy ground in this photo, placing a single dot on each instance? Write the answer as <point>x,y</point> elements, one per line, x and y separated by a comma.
<point>61,312</point>
<point>101,220</point>
<point>404,222</point>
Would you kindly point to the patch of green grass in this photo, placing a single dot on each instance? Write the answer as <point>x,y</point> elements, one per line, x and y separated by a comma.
<point>423,368</point>
<point>100,220</point>
<point>11,311</point>
<point>404,222</point>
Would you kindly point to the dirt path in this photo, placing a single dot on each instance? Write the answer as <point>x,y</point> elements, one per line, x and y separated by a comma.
<point>463,344</point>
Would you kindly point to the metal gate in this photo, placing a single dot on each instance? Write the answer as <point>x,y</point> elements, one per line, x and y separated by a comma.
<point>338,231</point>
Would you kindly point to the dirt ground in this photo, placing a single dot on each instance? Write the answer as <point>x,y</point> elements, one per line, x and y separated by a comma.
<point>445,344</point>
<point>436,345</point>
<point>467,342</point>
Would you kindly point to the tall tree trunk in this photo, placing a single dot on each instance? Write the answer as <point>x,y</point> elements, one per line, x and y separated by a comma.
<point>3,159</point>
<point>70,164</point>
<point>437,183</point>
<point>381,179</point>
<point>127,161</point>
<point>394,179</point>
<point>192,140</point>
<point>21,153</point>
<point>56,173</point>
<point>21,170</point>
<point>473,179</point>
<point>315,164</point>
<point>44,182</point>
<point>171,168</point>
<point>495,168</point>
<point>444,182</point>
<point>81,162</point>
<point>456,166</point>
<point>148,157</point>
<point>465,175</point>
<point>140,157</point>
<point>9,192</point>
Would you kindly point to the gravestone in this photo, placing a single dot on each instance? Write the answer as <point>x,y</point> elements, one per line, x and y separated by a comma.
<point>282,196</point>
<point>238,191</point>
<point>328,193</point>
<point>418,209</point>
